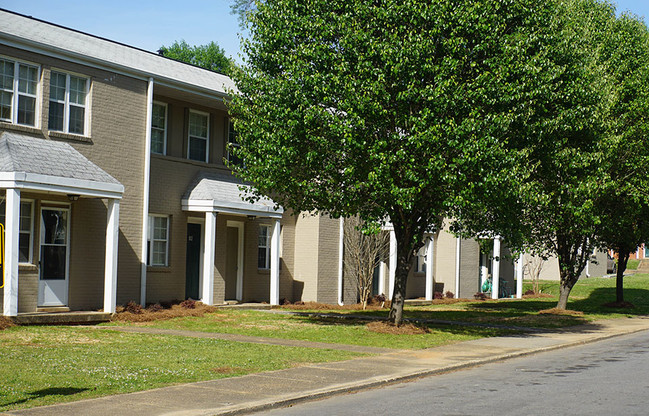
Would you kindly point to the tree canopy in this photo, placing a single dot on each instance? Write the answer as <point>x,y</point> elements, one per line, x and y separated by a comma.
<point>210,56</point>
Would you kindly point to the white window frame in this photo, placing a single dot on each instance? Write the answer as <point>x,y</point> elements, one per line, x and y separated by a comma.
<point>421,259</point>
<point>16,94</point>
<point>266,247</point>
<point>151,240</point>
<point>30,232</point>
<point>66,103</point>
<point>207,138</point>
<point>164,145</point>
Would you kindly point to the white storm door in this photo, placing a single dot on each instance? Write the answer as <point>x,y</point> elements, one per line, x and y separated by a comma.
<point>54,255</point>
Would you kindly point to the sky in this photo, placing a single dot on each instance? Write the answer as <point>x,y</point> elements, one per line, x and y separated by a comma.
<point>149,24</point>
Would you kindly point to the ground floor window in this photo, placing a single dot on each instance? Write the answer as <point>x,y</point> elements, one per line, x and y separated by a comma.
<point>26,229</point>
<point>158,241</point>
<point>263,257</point>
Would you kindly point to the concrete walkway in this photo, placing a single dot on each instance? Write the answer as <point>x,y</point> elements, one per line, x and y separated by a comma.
<point>280,388</point>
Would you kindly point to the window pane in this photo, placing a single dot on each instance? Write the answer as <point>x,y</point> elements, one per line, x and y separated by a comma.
<point>160,253</point>
<point>159,228</point>
<point>197,149</point>
<point>25,216</point>
<point>27,79</point>
<point>6,75</point>
<point>57,86</point>
<point>77,90</point>
<point>26,110</point>
<point>77,115</point>
<point>261,259</point>
<point>23,247</point>
<point>56,116</point>
<point>5,105</point>
<point>158,116</point>
<point>53,262</point>
<point>157,141</point>
<point>55,224</point>
<point>198,125</point>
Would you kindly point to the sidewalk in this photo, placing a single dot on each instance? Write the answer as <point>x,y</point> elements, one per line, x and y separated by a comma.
<point>279,388</point>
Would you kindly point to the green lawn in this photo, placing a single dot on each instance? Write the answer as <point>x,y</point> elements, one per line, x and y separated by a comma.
<point>632,264</point>
<point>45,365</point>
<point>332,330</point>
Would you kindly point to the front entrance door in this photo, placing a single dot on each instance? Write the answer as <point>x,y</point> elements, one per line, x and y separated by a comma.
<point>54,255</point>
<point>193,262</point>
<point>231,263</point>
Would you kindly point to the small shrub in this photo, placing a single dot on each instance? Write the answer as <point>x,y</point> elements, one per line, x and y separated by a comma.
<point>299,303</point>
<point>284,301</point>
<point>134,308</point>
<point>156,307</point>
<point>480,296</point>
<point>529,292</point>
<point>438,295</point>
<point>188,304</point>
<point>449,295</point>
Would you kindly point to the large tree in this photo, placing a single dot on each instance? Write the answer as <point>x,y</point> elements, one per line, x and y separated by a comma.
<point>210,56</point>
<point>389,109</point>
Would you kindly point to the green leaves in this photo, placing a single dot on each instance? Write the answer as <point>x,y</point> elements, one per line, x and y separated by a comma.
<point>210,56</point>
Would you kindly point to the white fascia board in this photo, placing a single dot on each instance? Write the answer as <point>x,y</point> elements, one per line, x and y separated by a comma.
<point>82,59</point>
<point>61,185</point>
<point>210,205</point>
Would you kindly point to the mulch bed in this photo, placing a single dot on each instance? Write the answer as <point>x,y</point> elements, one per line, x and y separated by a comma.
<point>555,311</point>
<point>384,327</point>
<point>157,312</point>
<point>6,323</point>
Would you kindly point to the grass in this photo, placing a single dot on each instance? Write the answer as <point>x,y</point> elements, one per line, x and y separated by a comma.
<point>46,365</point>
<point>317,329</point>
<point>632,264</point>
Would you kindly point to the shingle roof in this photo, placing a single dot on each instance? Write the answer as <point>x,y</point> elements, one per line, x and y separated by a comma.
<point>223,188</point>
<point>82,46</point>
<point>26,154</point>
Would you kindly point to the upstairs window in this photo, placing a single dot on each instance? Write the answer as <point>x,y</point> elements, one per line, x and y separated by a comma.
<point>68,95</point>
<point>18,90</point>
<point>233,144</point>
<point>159,129</point>
<point>199,126</point>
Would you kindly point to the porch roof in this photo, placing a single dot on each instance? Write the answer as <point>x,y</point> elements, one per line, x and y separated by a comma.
<point>220,192</point>
<point>28,162</point>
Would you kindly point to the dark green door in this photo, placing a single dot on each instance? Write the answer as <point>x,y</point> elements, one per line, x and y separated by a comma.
<point>193,260</point>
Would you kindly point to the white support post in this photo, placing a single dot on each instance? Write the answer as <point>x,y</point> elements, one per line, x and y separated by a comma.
<point>274,264</point>
<point>458,256</point>
<point>519,277</point>
<point>207,297</point>
<point>392,265</point>
<point>382,279</point>
<point>430,283</point>
<point>145,191</point>
<point>112,239</point>
<point>484,269</point>
<point>495,270</point>
<point>12,217</point>
<point>341,252</point>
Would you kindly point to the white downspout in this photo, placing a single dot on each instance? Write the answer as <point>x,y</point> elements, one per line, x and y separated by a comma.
<point>145,192</point>
<point>458,247</point>
<point>341,247</point>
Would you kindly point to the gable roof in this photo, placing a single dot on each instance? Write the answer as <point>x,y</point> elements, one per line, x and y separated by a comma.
<point>220,192</point>
<point>40,164</point>
<point>54,40</point>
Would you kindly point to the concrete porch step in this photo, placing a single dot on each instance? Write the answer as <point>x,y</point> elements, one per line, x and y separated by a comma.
<point>61,318</point>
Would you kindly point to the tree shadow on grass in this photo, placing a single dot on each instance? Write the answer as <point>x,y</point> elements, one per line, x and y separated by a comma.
<point>50,391</point>
<point>595,301</point>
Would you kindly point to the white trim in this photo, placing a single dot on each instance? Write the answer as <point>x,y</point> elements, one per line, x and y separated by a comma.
<point>165,130</point>
<point>382,279</point>
<point>236,208</point>
<point>206,138</point>
<point>201,222</point>
<point>145,193</point>
<point>207,295</point>
<point>519,277</point>
<point>430,282</point>
<point>66,103</point>
<point>112,240</point>
<point>151,240</point>
<point>12,217</point>
<point>458,254</point>
<point>41,244</point>
<point>266,246</point>
<point>495,270</point>
<point>32,202</point>
<point>392,264</point>
<point>240,252</point>
<point>57,184</point>
<point>341,250</point>
<point>15,94</point>
<point>274,264</point>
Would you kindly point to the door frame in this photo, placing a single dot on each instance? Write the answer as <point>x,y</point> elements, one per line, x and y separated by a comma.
<point>240,227</point>
<point>45,206</point>
<point>201,222</point>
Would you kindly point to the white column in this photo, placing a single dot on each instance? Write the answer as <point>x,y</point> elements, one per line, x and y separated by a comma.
<point>430,283</point>
<point>458,254</point>
<point>519,277</point>
<point>274,264</point>
<point>12,217</point>
<point>382,279</point>
<point>145,191</point>
<point>484,270</point>
<point>495,270</point>
<point>207,297</point>
<point>341,250</point>
<point>392,272</point>
<point>112,239</point>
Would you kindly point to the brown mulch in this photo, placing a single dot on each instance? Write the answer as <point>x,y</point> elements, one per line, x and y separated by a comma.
<point>6,323</point>
<point>538,296</point>
<point>327,306</point>
<point>384,327</point>
<point>556,311</point>
<point>623,304</point>
<point>151,314</point>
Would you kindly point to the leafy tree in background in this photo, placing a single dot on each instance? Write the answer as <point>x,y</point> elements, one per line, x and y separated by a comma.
<point>210,56</point>
<point>625,204</point>
<point>399,110</point>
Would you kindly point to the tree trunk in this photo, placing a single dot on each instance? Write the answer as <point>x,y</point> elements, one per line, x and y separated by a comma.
<point>572,261</point>
<point>564,292</point>
<point>405,249</point>
<point>619,280</point>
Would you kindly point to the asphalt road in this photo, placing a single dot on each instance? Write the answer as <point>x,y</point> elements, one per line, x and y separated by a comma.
<point>605,378</point>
